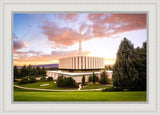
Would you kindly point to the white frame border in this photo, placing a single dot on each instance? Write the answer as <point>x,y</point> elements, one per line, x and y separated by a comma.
<point>8,6</point>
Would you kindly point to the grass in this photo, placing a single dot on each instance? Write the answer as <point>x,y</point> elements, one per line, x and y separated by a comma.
<point>92,86</point>
<point>30,95</point>
<point>50,86</point>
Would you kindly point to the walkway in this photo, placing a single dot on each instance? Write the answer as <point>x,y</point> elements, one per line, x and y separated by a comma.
<point>79,87</point>
<point>55,89</point>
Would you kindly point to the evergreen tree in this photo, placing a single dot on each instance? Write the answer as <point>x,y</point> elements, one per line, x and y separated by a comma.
<point>141,67</point>
<point>16,72</point>
<point>29,70</point>
<point>34,72</point>
<point>104,77</point>
<point>43,71</point>
<point>124,72</point>
<point>23,71</point>
<point>38,70</point>
<point>90,79</point>
<point>83,80</point>
<point>94,78</point>
<point>108,67</point>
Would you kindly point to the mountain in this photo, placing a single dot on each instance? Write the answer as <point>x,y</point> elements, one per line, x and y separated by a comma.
<point>43,65</point>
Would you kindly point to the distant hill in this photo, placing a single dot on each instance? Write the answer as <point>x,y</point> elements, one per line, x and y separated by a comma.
<point>44,65</point>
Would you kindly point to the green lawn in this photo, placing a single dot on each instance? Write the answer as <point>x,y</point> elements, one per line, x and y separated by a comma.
<point>50,86</point>
<point>92,86</point>
<point>30,95</point>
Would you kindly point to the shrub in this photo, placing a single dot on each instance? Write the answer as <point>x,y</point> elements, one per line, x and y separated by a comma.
<point>32,79</point>
<point>24,80</point>
<point>90,83</point>
<point>97,83</point>
<point>65,82</point>
<point>60,81</point>
<point>70,82</point>
<point>50,79</point>
<point>97,79</point>
<point>111,88</point>
<point>43,78</point>
<point>90,79</point>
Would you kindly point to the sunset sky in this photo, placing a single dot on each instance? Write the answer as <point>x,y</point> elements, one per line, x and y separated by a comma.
<point>44,38</point>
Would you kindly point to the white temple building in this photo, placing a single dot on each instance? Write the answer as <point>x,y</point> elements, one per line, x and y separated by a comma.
<point>81,62</point>
<point>77,66</point>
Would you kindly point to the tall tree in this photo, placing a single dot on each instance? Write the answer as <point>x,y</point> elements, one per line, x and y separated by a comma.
<point>94,78</point>
<point>104,77</point>
<point>141,67</point>
<point>38,70</point>
<point>29,70</point>
<point>124,72</point>
<point>83,80</point>
<point>23,71</point>
<point>43,71</point>
<point>16,72</point>
<point>34,71</point>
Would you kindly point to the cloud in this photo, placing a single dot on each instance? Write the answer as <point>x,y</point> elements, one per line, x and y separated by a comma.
<point>107,25</point>
<point>18,44</point>
<point>69,16</point>
<point>33,56</point>
<point>61,36</point>
<point>97,26</point>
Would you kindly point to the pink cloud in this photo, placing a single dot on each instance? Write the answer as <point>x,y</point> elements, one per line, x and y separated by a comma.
<point>62,36</point>
<point>102,25</point>
<point>107,25</point>
<point>69,16</point>
<point>18,44</point>
<point>38,57</point>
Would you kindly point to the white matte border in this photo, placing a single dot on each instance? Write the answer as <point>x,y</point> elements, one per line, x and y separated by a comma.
<point>150,6</point>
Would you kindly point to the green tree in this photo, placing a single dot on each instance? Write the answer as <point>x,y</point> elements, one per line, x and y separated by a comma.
<point>70,82</point>
<point>90,79</point>
<point>65,82</point>
<point>141,67</point>
<point>43,71</point>
<point>23,71</point>
<point>34,72</point>
<point>29,70</point>
<point>60,82</point>
<point>124,72</point>
<point>16,72</point>
<point>38,70</point>
<point>24,80</point>
<point>83,80</point>
<point>50,79</point>
<point>94,78</point>
<point>43,78</point>
<point>108,67</point>
<point>104,77</point>
<point>32,79</point>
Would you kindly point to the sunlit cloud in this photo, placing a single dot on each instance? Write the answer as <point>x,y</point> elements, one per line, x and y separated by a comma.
<point>32,57</point>
<point>69,16</point>
<point>107,25</point>
<point>62,36</point>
